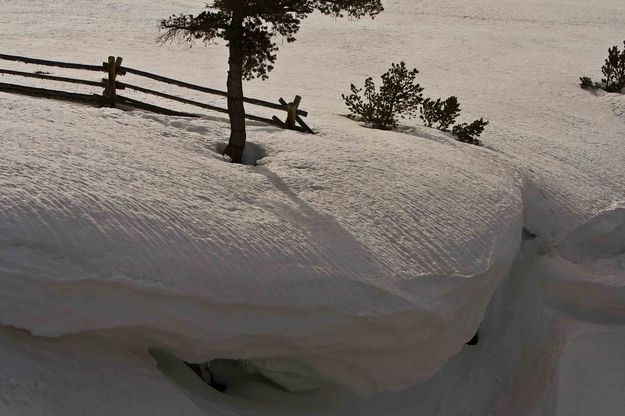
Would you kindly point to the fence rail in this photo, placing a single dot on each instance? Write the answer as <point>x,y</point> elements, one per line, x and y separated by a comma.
<point>109,97</point>
<point>50,77</point>
<point>52,63</point>
<point>56,94</point>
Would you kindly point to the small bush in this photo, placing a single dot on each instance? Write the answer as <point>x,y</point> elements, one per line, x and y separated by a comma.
<point>586,82</point>
<point>468,133</point>
<point>398,96</point>
<point>614,70</point>
<point>442,113</point>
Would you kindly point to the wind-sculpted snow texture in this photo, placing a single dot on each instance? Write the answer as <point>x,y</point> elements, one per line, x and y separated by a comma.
<point>322,253</point>
<point>365,259</point>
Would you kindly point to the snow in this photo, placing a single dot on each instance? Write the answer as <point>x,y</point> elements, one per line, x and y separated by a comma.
<point>355,259</point>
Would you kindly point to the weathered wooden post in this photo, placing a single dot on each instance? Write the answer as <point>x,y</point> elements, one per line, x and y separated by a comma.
<point>114,68</point>
<point>292,112</point>
<point>110,91</point>
<point>118,66</point>
<point>119,71</point>
<point>298,119</point>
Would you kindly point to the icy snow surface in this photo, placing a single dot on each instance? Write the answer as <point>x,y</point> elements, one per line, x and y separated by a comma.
<point>362,259</point>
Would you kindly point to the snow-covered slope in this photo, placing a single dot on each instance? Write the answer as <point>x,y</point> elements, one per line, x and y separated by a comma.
<point>359,258</point>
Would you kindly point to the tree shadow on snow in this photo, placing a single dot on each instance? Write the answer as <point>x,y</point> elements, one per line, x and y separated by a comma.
<point>333,241</point>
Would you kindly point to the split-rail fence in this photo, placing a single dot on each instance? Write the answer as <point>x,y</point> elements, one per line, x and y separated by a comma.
<point>110,97</point>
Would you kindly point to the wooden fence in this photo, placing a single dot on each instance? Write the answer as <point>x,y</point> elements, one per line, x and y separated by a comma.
<point>110,97</point>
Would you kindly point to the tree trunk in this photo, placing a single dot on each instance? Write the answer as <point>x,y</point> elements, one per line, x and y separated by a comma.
<point>236,109</point>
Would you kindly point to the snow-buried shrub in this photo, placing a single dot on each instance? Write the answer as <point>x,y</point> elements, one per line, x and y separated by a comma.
<point>398,96</point>
<point>613,71</point>
<point>440,113</point>
<point>443,114</point>
<point>468,133</point>
<point>585,82</point>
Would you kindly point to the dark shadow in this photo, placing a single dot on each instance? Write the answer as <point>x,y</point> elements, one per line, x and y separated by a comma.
<point>475,339</point>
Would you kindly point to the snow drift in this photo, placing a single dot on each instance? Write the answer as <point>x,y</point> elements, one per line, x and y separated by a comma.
<point>338,256</point>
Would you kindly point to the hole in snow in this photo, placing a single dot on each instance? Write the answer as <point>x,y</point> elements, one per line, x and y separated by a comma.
<point>476,339</point>
<point>238,383</point>
<point>235,376</point>
<point>226,375</point>
<point>528,235</point>
<point>230,375</point>
<point>251,155</point>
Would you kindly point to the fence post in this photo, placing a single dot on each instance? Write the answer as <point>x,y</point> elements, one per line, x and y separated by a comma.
<point>110,90</point>
<point>118,64</point>
<point>292,112</point>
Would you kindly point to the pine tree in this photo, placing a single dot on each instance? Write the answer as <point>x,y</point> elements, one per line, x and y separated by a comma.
<point>614,70</point>
<point>249,27</point>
